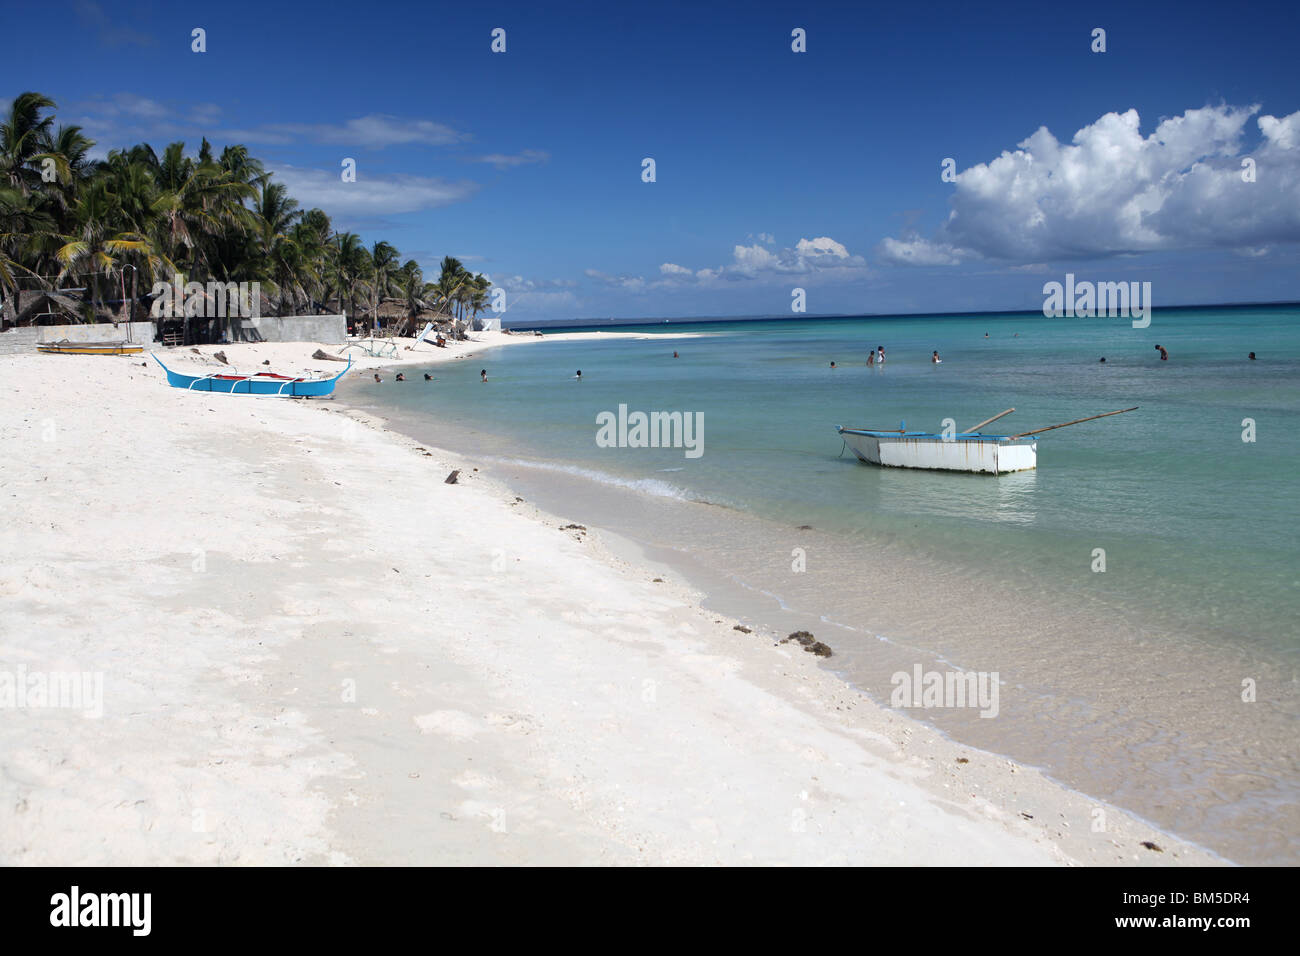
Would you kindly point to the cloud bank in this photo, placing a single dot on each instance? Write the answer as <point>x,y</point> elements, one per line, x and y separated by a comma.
<point>1112,191</point>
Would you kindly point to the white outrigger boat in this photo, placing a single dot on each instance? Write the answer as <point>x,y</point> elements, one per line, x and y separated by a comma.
<point>970,450</point>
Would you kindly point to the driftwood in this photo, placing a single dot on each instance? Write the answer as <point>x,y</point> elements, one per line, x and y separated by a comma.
<point>322,356</point>
<point>452,478</point>
<point>221,357</point>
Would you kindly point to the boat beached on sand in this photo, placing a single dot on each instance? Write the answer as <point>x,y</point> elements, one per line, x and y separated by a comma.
<point>257,383</point>
<point>89,348</point>
<point>970,450</point>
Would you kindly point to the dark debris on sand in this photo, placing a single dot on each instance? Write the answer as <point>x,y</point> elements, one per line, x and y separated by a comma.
<point>810,643</point>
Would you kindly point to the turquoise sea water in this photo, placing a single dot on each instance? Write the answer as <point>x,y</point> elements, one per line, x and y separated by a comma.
<point>1130,680</point>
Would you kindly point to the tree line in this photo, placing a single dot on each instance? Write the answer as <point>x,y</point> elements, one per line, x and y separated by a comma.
<point>67,220</point>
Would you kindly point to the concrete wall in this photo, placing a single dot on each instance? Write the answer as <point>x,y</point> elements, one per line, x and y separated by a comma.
<point>323,329</point>
<point>141,332</point>
<point>17,340</point>
<point>26,339</point>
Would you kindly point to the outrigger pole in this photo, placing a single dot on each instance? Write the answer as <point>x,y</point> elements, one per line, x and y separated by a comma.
<point>986,421</point>
<point>1075,422</point>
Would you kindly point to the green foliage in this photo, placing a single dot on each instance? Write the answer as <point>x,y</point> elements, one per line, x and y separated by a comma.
<point>69,221</point>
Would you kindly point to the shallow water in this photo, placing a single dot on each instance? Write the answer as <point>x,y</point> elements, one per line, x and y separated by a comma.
<point>1126,683</point>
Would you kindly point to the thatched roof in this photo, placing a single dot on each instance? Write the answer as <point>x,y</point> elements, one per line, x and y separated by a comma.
<point>33,306</point>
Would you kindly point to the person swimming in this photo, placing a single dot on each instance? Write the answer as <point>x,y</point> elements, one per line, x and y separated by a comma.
<point>483,375</point>
<point>401,377</point>
<point>377,378</point>
<point>674,355</point>
<point>871,358</point>
<point>934,358</point>
<point>579,375</point>
<point>832,364</point>
<point>1251,356</point>
<point>1103,360</point>
<point>428,377</point>
<point>880,354</point>
<point>986,335</point>
<point>1164,354</point>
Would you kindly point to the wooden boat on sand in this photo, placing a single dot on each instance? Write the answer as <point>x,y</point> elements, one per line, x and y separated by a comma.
<point>971,450</point>
<point>257,383</point>
<point>89,348</point>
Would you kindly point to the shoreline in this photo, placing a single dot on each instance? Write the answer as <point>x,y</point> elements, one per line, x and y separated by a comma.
<point>249,557</point>
<point>1108,699</point>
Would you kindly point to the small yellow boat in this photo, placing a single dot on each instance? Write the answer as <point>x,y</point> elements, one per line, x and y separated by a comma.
<point>89,348</point>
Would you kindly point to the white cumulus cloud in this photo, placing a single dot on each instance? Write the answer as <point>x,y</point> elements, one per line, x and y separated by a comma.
<point>1112,191</point>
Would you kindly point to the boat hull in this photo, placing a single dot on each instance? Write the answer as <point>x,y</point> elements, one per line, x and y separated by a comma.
<point>254,385</point>
<point>977,454</point>
<point>56,348</point>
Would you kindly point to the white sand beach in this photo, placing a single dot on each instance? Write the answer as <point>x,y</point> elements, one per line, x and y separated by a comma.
<point>315,651</point>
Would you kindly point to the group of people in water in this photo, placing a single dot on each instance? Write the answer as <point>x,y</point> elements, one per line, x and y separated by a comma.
<point>874,357</point>
<point>877,357</point>
<point>400,377</point>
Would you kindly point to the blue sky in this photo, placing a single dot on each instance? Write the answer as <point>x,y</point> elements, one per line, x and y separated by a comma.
<point>775,169</point>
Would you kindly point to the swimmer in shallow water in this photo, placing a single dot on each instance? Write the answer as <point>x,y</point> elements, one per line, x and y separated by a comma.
<point>579,375</point>
<point>428,377</point>
<point>1251,356</point>
<point>832,364</point>
<point>483,375</point>
<point>400,377</point>
<point>1164,354</point>
<point>377,378</point>
<point>934,358</point>
<point>871,358</point>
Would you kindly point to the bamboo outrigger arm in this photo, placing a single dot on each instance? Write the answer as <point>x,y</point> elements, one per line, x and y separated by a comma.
<point>1037,431</point>
<point>975,428</point>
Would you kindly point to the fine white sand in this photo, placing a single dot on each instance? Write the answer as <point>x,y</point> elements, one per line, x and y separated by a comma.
<point>313,650</point>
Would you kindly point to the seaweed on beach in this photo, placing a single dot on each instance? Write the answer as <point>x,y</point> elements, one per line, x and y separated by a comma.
<point>809,643</point>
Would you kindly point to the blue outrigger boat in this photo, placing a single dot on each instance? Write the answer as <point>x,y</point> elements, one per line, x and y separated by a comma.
<point>259,383</point>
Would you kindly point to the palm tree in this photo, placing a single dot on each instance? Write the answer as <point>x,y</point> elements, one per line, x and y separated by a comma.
<point>350,265</point>
<point>451,281</point>
<point>275,214</point>
<point>410,280</point>
<point>89,247</point>
<point>311,237</point>
<point>478,295</point>
<point>24,141</point>
<point>81,222</point>
<point>383,266</point>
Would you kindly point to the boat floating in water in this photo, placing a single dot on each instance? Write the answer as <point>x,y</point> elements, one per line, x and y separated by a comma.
<point>258,383</point>
<point>89,348</point>
<point>971,450</point>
